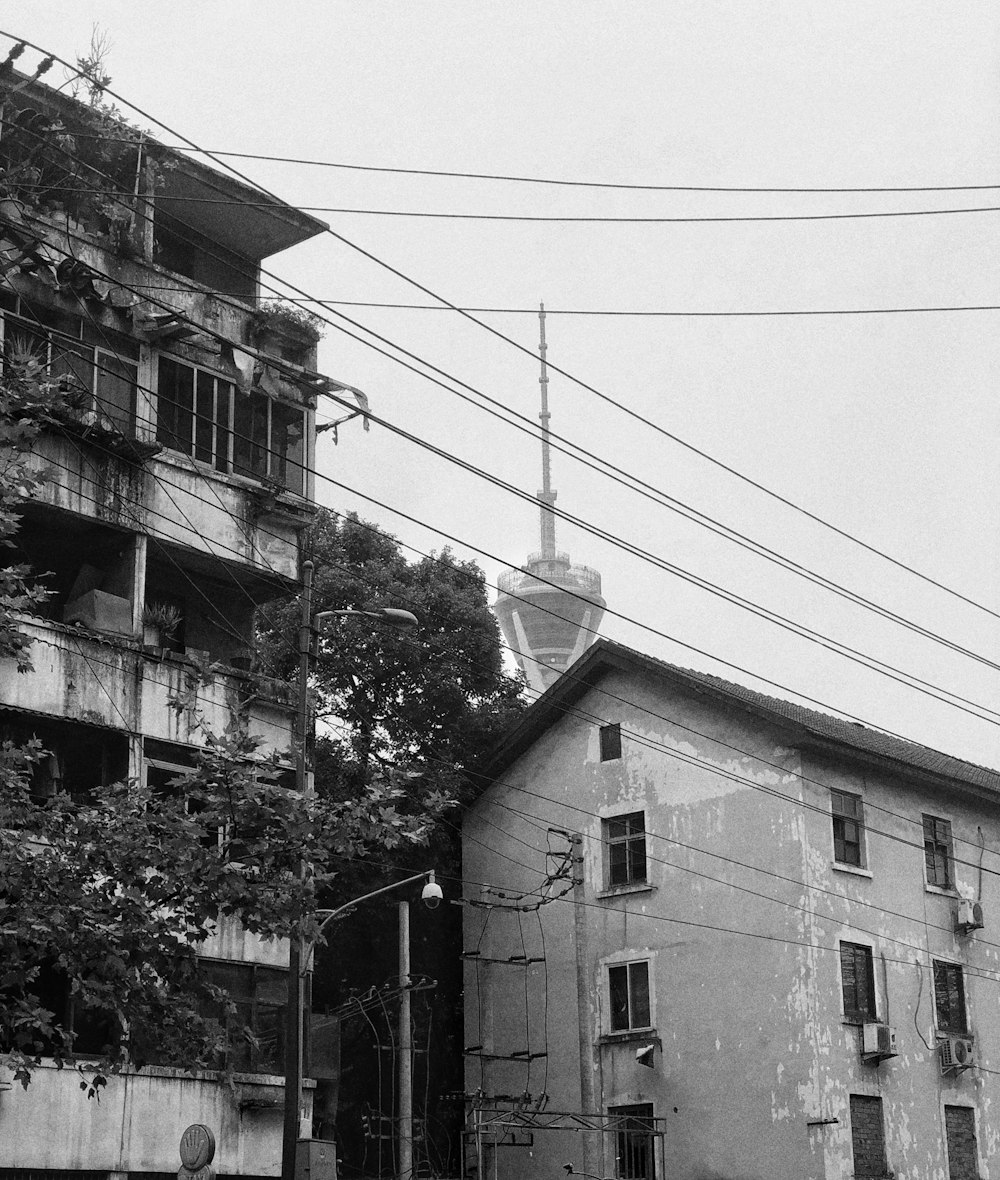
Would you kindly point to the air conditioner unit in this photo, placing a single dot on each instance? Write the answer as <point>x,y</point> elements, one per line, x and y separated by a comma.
<point>957,1053</point>
<point>969,917</point>
<point>878,1041</point>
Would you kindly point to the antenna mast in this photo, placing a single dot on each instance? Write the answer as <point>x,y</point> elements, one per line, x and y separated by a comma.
<point>546,496</point>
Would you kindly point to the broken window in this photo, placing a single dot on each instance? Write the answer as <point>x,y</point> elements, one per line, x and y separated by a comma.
<point>857,977</point>
<point>628,985</point>
<point>259,994</point>
<point>79,758</point>
<point>949,998</point>
<point>212,419</point>
<point>89,568</point>
<point>103,362</point>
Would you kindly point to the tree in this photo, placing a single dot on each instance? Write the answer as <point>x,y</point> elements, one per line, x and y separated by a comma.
<point>104,901</point>
<point>424,705</point>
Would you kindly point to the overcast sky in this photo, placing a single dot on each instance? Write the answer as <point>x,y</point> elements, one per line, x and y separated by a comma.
<point>884,425</point>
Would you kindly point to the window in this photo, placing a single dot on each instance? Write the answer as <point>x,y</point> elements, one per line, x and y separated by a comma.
<point>611,742</point>
<point>937,852</point>
<point>848,828</point>
<point>625,837</point>
<point>963,1154</point>
<point>259,994</point>
<point>868,1136</point>
<point>949,998</point>
<point>103,361</point>
<point>634,1130</point>
<point>857,977</point>
<point>211,419</point>
<point>628,986</point>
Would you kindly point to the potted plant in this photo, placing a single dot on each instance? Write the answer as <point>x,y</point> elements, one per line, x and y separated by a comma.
<point>160,621</point>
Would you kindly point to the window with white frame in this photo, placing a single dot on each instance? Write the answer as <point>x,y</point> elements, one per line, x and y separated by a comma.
<point>625,850</point>
<point>628,995</point>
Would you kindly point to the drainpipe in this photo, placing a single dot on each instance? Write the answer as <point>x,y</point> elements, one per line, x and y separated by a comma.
<point>592,1150</point>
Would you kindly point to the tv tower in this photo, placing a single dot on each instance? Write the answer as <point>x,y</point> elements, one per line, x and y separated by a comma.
<point>549,609</point>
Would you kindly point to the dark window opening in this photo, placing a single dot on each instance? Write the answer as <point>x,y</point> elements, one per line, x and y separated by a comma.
<point>938,859</point>
<point>868,1137</point>
<point>215,615</point>
<point>857,976</point>
<point>90,1030</point>
<point>625,836</point>
<point>628,985</point>
<point>259,994</point>
<point>213,420</point>
<point>185,251</point>
<point>88,568</point>
<point>848,828</point>
<point>949,998</point>
<point>78,759</point>
<point>611,742</point>
<point>633,1128</point>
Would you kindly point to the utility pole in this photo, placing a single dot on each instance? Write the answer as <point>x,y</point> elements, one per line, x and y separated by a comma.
<point>405,1048</point>
<point>295,1003</point>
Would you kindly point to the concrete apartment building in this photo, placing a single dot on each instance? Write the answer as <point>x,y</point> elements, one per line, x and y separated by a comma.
<point>182,493</point>
<point>713,934</point>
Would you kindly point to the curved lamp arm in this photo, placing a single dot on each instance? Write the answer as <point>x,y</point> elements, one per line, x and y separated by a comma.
<point>330,915</point>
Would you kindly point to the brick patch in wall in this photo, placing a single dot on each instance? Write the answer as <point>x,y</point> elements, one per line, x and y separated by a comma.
<point>867,1136</point>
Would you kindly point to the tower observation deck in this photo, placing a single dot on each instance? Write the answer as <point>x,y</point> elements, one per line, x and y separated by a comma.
<point>549,610</point>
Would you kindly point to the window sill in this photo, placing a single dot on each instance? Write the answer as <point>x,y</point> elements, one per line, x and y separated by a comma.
<point>852,870</point>
<point>631,1034</point>
<point>625,890</point>
<point>941,890</point>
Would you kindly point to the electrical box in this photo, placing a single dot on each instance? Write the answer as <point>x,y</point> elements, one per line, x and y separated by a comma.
<point>315,1159</point>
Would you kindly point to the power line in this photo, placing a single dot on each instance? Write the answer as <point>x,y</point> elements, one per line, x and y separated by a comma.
<point>604,397</point>
<point>699,219</point>
<point>617,185</point>
<point>795,628</point>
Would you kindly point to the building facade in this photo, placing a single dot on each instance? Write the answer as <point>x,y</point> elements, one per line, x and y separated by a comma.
<point>712,934</point>
<point>174,505</point>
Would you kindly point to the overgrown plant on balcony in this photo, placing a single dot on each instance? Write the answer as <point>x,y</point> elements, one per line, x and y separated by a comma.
<point>278,316</point>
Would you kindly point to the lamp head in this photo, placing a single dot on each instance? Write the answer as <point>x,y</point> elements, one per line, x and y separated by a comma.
<point>432,894</point>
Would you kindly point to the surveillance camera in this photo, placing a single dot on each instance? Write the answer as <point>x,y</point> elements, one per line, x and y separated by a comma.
<point>431,895</point>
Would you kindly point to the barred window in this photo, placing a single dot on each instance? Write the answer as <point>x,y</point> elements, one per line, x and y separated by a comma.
<point>634,1131</point>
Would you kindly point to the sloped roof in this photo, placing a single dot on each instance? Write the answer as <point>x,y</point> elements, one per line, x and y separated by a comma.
<point>813,726</point>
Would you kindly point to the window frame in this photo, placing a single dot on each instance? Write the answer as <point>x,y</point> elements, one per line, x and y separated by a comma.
<point>625,1124</point>
<point>633,842</point>
<point>610,741</point>
<point>637,994</point>
<point>939,852</point>
<point>242,435</point>
<point>844,820</point>
<point>854,1013</point>
<point>102,350</point>
<point>948,1023</point>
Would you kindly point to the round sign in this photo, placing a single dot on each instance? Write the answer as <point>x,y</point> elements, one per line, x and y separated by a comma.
<point>197,1147</point>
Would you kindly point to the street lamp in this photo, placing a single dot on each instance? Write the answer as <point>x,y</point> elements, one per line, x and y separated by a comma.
<point>308,627</point>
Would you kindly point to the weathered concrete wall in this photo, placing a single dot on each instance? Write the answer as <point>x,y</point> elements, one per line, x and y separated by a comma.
<point>741,923</point>
<point>138,1122</point>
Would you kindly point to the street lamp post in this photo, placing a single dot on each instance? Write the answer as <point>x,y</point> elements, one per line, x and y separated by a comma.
<point>297,968</point>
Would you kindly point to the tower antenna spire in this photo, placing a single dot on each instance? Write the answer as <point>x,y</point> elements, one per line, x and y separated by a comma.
<point>546,496</point>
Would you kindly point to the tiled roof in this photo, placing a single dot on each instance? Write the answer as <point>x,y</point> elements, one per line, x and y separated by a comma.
<point>605,654</point>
